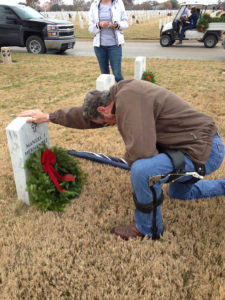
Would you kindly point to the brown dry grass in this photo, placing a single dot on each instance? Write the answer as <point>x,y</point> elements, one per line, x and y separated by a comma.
<point>148,30</point>
<point>73,255</point>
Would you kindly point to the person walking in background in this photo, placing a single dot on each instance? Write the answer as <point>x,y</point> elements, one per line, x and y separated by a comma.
<point>107,19</point>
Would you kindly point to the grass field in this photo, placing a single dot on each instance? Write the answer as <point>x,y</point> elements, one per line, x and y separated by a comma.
<point>148,30</point>
<point>73,255</point>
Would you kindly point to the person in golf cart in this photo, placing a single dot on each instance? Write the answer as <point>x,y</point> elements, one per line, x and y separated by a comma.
<point>188,23</point>
<point>185,13</point>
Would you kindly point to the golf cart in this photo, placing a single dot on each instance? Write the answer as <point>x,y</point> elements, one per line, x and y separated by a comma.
<point>170,32</point>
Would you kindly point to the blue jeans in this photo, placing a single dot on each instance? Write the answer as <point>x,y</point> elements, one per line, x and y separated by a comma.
<point>145,169</point>
<point>184,28</point>
<point>112,54</point>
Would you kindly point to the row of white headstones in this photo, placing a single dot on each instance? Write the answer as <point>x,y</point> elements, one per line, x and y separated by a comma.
<point>138,16</point>
<point>25,138</point>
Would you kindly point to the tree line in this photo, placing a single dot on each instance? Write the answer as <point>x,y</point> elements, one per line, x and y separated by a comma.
<point>82,5</point>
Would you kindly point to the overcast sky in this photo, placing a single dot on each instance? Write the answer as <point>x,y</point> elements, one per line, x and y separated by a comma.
<point>41,1</point>
<point>71,1</point>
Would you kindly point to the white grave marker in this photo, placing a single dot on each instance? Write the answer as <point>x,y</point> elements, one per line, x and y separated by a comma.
<point>6,55</point>
<point>24,139</point>
<point>139,66</point>
<point>81,21</point>
<point>104,82</point>
<point>74,17</point>
<point>131,20</point>
<point>160,23</point>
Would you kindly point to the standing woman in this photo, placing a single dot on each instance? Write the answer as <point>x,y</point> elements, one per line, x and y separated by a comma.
<point>107,19</point>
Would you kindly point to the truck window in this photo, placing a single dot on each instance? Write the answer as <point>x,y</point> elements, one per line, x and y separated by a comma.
<point>4,13</point>
<point>26,12</point>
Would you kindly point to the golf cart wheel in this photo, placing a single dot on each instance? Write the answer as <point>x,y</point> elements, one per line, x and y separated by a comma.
<point>165,40</point>
<point>223,43</point>
<point>35,45</point>
<point>210,41</point>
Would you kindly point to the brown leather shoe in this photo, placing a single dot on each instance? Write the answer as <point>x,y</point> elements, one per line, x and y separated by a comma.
<point>127,232</point>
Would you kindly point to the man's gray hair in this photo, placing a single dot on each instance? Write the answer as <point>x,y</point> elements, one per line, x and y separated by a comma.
<point>92,101</point>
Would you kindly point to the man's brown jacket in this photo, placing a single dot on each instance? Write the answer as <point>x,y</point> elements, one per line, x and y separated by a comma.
<point>147,116</point>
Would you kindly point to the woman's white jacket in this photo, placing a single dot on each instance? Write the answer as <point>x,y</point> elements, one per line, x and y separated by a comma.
<point>118,15</point>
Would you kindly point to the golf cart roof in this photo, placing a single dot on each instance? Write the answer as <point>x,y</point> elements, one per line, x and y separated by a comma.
<point>182,8</point>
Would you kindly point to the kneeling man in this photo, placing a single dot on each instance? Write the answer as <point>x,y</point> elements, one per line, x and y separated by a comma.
<point>163,135</point>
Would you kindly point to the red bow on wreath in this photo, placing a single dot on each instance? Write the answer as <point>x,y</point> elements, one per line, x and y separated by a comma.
<point>47,160</point>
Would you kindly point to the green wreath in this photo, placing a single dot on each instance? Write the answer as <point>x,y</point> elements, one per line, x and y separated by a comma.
<point>203,24</point>
<point>204,21</point>
<point>149,76</point>
<point>41,189</point>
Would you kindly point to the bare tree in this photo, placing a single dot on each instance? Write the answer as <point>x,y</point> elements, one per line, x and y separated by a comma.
<point>128,4</point>
<point>33,3</point>
<point>81,5</point>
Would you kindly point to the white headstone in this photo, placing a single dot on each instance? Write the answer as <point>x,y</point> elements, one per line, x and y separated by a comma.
<point>139,67</point>
<point>81,21</point>
<point>74,17</point>
<point>160,23</point>
<point>6,55</point>
<point>24,139</point>
<point>131,20</point>
<point>104,82</point>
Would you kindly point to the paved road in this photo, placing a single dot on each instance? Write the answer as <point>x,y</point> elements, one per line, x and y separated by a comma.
<point>152,49</point>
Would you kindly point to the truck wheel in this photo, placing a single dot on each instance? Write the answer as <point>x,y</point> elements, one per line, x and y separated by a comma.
<point>35,44</point>
<point>165,40</point>
<point>210,41</point>
<point>62,51</point>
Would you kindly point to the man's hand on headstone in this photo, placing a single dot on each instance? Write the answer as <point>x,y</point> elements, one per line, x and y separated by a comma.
<point>37,116</point>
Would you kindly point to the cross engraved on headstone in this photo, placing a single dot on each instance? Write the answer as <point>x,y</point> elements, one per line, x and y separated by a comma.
<point>24,139</point>
<point>34,127</point>
<point>104,82</point>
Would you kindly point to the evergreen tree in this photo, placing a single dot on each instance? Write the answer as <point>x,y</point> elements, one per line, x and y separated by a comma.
<point>174,3</point>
